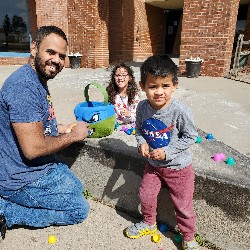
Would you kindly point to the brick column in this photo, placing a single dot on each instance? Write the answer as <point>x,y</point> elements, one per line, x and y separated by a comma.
<point>52,12</point>
<point>136,30</point>
<point>127,30</point>
<point>32,17</point>
<point>208,29</point>
<point>115,30</point>
<point>88,32</point>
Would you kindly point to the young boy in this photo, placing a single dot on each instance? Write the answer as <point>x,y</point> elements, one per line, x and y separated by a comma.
<point>164,131</point>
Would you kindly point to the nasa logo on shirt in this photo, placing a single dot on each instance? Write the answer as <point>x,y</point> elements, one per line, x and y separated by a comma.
<point>156,133</point>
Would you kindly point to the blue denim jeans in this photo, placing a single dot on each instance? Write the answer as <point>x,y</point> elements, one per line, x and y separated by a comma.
<point>56,198</point>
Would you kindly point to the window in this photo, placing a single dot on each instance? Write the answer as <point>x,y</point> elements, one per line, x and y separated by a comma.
<point>14,27</point>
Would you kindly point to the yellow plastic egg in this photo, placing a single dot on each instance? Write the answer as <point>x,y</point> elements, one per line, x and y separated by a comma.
<point>156,238</point>
<point>52,239</point>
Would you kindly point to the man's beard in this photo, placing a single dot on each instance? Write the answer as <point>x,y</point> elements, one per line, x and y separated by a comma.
<point>40,68</point>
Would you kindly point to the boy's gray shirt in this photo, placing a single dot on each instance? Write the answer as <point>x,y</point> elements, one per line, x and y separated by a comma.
<point>182,135</point>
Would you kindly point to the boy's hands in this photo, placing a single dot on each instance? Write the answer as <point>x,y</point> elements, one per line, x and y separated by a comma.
<point>156,154</point>
<point>144,150</point>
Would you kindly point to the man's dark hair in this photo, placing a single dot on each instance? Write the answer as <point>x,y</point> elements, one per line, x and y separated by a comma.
<point>159,66</point>
<point>45,31</point>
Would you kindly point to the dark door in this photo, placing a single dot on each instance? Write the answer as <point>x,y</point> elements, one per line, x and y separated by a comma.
<point>172,23</point>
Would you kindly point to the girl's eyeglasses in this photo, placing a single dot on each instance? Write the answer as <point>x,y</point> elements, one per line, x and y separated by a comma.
<point>123,76</point>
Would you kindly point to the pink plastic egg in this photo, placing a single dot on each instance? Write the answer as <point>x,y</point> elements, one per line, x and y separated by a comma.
<point>222,156</point>
<point>217,157</point>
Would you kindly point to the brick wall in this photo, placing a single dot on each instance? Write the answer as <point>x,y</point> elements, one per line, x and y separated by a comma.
<point>88,31</point>
<point>208,29</point>
<point>32,17</point>
<point>155,19</point>
<point>85,24</point>
<point>130,26</point>
<point>13,60</point>
<point>52,12</point>
<point>136,30</point>
<point>115,31</point>
<point>105,31</point>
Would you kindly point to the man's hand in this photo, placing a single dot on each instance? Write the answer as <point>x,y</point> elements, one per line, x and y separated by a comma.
<point>79,130</point>
<point>65,129</point>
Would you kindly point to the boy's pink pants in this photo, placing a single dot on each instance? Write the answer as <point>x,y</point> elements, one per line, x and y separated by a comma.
<point>181,189</point>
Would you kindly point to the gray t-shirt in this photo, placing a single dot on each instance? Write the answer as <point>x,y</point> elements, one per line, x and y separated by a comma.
<point>23,99</point>
<point>171,128</point>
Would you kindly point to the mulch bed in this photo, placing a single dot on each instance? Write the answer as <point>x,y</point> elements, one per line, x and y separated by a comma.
<point>243,74</point>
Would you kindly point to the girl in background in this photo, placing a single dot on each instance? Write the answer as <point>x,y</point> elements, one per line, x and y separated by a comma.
<point>123,93</point>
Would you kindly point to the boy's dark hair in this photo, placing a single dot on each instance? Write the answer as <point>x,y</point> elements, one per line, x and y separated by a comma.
<point>159,66</point>
<point>45,31</point>
<point>112,88</point>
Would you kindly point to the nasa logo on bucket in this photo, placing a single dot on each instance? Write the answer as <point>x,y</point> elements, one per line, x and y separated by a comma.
<point>156,133</point>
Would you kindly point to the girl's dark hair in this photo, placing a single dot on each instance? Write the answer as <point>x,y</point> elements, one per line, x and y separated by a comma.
<point>159,66</point>
<point>45,31</point>
<point>112,88</point>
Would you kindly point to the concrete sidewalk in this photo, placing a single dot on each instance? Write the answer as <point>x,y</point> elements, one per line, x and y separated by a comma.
<point>220,106</point>
<point>102,230</point>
